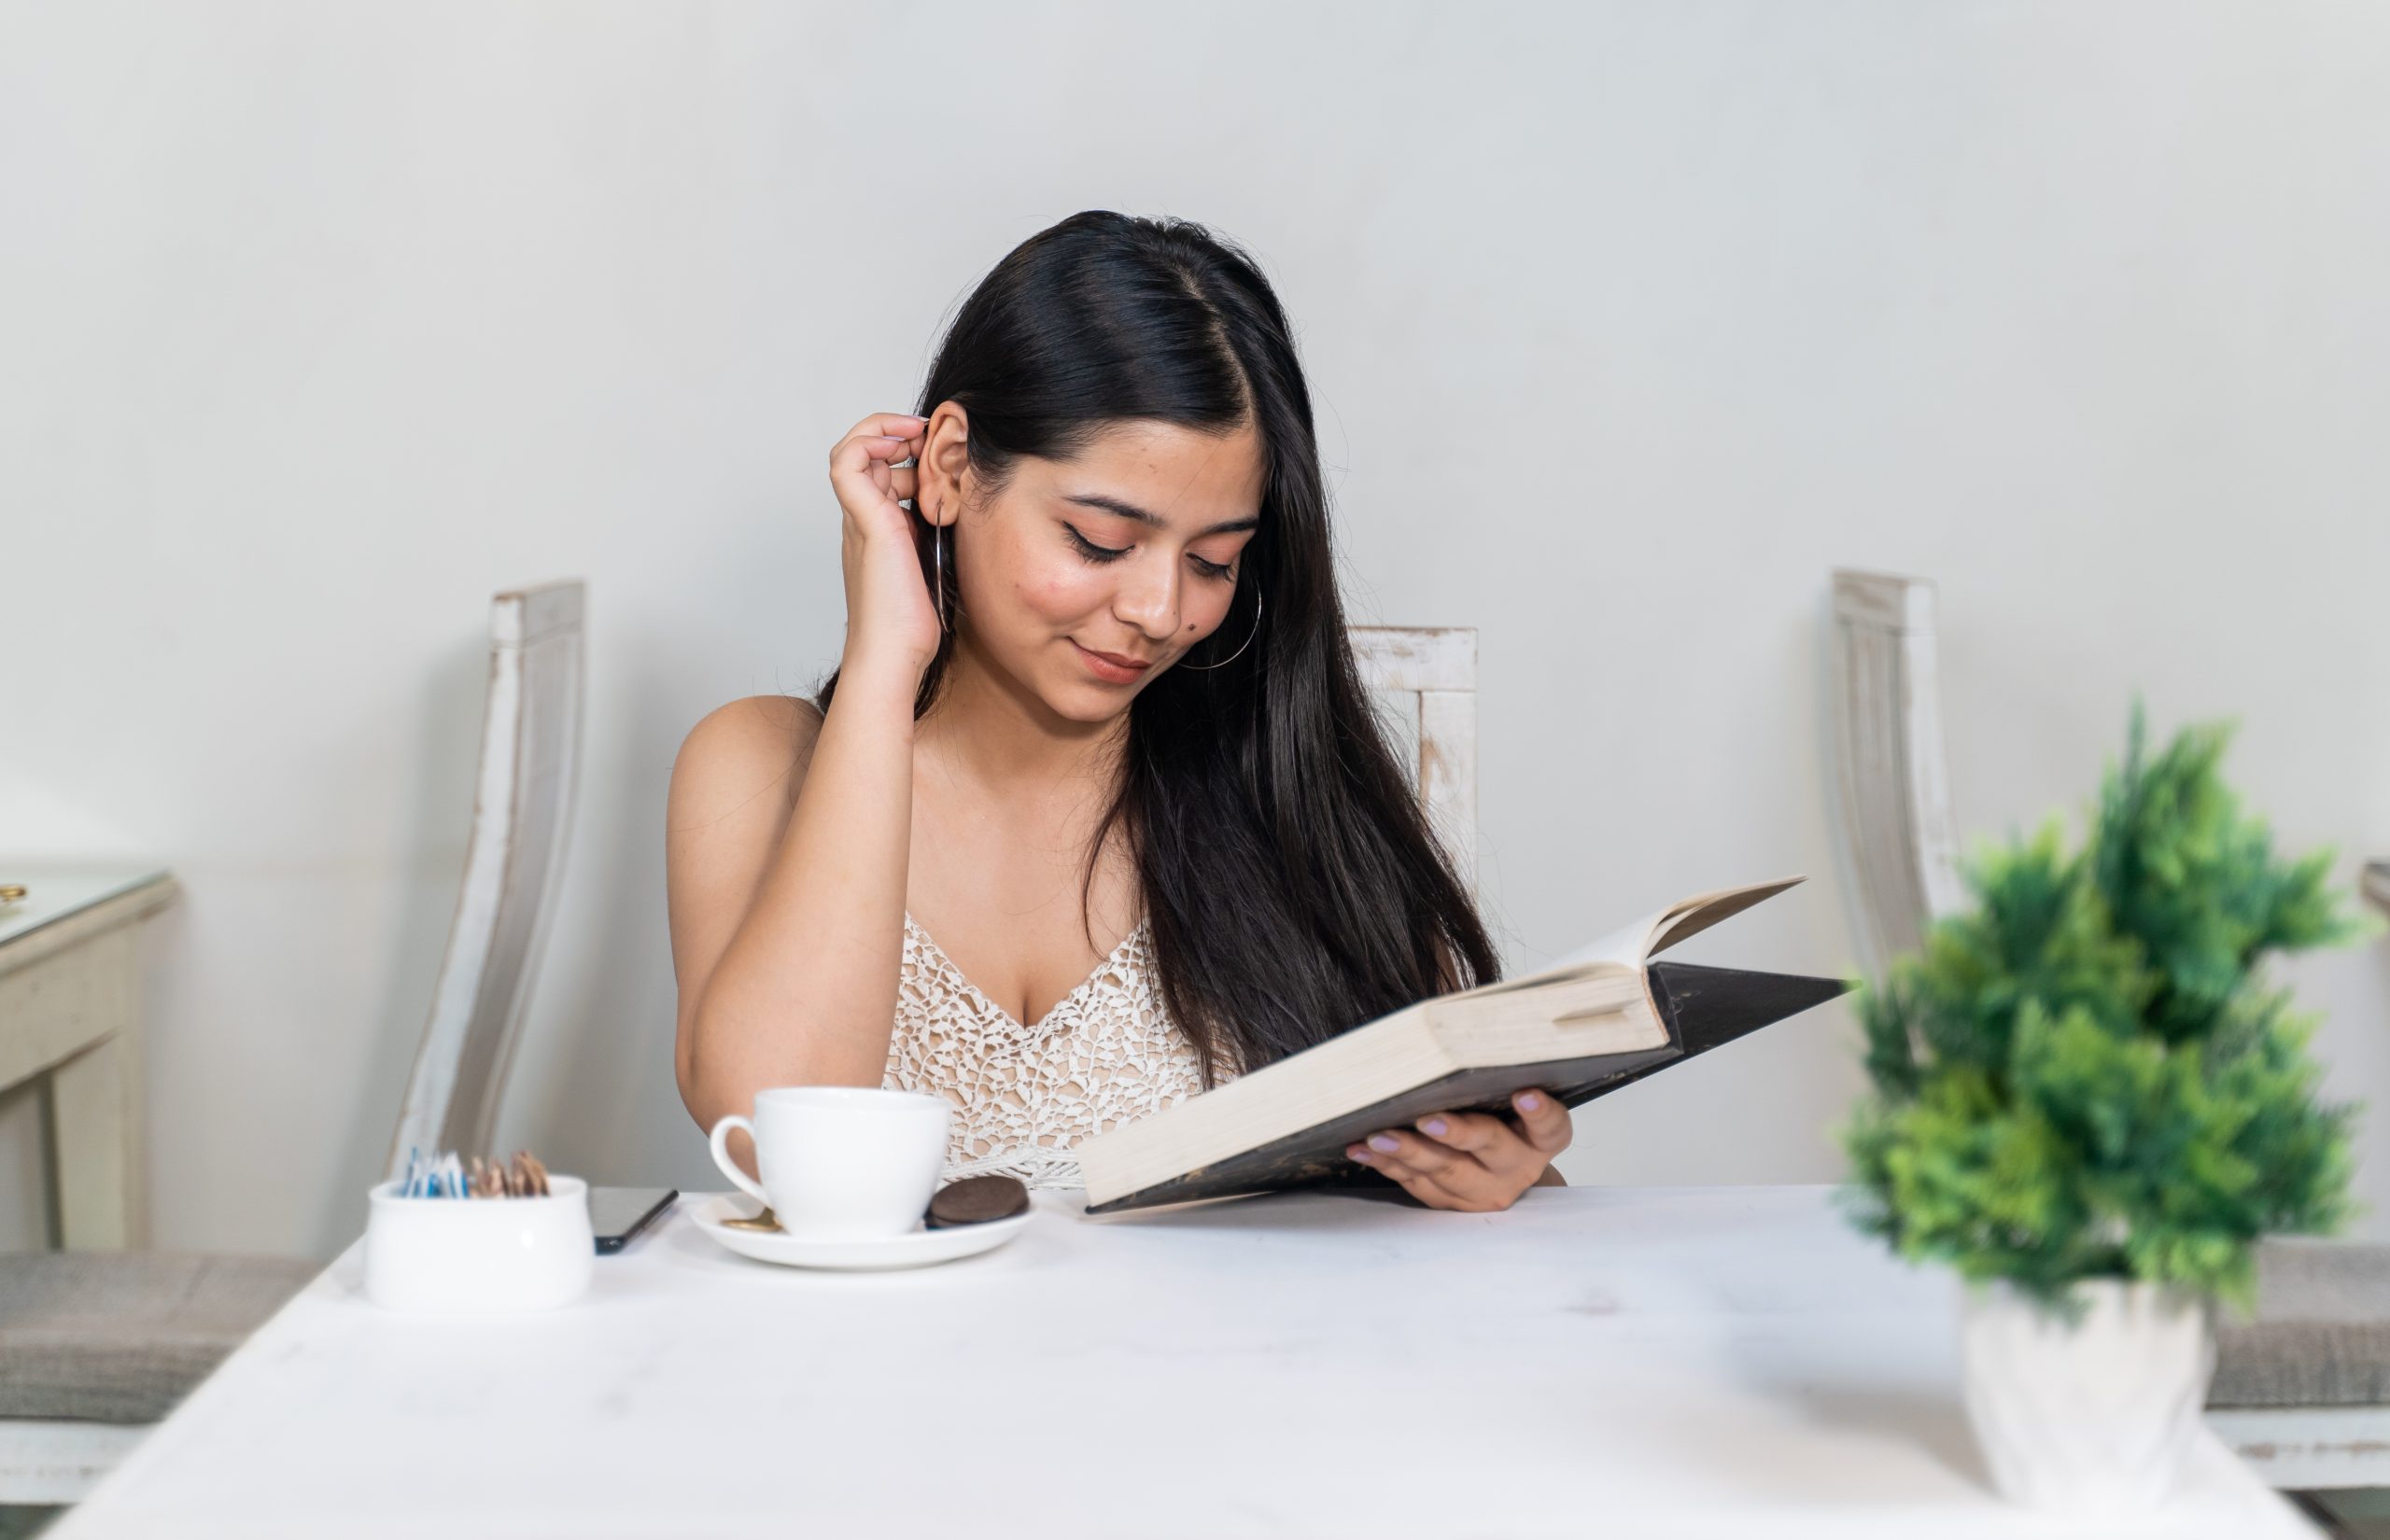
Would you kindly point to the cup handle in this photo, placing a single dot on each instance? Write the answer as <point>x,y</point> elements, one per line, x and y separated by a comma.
<point>719,1144</point>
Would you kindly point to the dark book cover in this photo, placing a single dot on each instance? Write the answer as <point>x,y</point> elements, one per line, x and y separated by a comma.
<point>1701,1008</point>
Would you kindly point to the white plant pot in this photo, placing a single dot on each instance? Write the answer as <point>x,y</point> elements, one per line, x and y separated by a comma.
<point>2097,1416</point>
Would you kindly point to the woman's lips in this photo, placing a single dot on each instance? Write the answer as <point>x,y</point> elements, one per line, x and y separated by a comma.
<point>1111,667</point>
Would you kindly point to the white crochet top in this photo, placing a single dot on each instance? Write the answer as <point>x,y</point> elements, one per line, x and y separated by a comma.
<point>1108,1053</point>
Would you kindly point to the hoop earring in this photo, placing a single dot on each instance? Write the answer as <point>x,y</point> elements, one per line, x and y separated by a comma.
<point>937,547</point>
<point>1199,668</point>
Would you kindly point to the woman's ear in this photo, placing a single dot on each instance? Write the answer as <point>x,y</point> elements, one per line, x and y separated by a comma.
<point>943,465</point>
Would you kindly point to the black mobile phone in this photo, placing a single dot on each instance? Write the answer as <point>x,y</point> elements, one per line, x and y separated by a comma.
<point>618,1213</point>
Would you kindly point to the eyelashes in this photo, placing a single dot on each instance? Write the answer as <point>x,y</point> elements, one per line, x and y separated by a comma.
<point>1101,554</point>
<point>1092,551</point>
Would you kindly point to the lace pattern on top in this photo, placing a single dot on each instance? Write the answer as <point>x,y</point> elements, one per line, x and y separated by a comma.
<point>1024,1097</point>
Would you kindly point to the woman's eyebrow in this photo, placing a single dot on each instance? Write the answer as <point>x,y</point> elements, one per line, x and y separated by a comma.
<point>1131,511</point>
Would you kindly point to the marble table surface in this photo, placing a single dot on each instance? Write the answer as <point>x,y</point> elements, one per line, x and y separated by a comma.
<point>1596,1361</point>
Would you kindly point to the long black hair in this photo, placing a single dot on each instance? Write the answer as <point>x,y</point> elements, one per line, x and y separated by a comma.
<point>1293,882</point>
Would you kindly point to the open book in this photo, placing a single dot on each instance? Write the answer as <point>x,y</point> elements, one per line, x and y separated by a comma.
<point>1589,1023</point>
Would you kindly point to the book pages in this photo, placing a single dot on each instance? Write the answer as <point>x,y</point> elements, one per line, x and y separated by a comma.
<point>1632,947</point>
<point>1704,910</point>
<point>1628,945</point>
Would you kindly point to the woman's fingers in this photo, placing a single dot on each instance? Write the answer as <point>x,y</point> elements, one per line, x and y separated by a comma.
<point>866,439</point>
<point>882,436</point>
<point>1418,1153</point>
<point>873,453</point>
<point>889,424</point>
<point>1543,1121</point>
<point>1437,1174</point>
<point>1418,1183</point>
<point>863,459</point>
<point>890,609</point>
<point>1495,1144</point>
<point>1472,1160</point>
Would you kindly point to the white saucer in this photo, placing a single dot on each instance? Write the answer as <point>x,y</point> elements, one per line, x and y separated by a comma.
<point>916,1248</point>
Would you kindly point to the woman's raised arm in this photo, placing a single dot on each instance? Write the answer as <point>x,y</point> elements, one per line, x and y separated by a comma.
<point>788,832</point>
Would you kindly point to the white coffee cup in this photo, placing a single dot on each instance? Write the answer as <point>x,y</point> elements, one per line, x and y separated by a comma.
<point>841,1162</point>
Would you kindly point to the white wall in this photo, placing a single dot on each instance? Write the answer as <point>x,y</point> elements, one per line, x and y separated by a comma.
<point>1626,323</point>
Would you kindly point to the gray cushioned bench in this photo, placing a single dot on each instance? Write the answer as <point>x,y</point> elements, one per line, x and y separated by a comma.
<point>2302,1390</point>
<point>123,1337</point>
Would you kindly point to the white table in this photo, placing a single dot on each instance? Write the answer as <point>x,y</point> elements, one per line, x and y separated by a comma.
<point>1595,1362</point>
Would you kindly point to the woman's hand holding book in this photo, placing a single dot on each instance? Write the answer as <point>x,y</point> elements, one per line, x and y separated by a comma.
<point>1472,1161</point>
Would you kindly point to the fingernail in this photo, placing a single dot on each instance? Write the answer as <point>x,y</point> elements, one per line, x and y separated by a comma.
<point>1529,1102</point>
<point>1434,1126</point>
<point>1357,1153</point>
<point>1384,1141</point>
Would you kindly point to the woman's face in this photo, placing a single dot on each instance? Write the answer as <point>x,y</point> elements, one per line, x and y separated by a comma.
<point>1083,579</point>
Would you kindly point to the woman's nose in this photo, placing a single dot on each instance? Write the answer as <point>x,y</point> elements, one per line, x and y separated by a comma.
<point>1149,600</point>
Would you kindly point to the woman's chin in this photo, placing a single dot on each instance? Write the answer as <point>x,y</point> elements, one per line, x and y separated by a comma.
<point>1087,703</point>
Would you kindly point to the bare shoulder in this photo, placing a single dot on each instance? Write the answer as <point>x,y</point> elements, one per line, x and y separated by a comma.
<point>743,762</point>
<point>733,789</point>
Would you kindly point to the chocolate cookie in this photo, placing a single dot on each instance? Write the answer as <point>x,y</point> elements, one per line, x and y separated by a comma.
<point>976,1200</point>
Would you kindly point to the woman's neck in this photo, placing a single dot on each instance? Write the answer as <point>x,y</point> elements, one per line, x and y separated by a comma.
<point>988,725</point>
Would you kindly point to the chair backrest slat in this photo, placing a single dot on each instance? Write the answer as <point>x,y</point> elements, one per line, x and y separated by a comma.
<point>1895,783</point>
<point>522,815</point>
<point>1437,667</point>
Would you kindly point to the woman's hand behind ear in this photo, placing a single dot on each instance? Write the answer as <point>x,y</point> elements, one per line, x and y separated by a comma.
<point>891,621</point>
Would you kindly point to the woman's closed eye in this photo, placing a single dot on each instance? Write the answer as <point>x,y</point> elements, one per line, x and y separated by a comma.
<point>1095,553</point>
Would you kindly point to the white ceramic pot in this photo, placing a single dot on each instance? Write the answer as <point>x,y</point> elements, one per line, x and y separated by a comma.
<point>2096,1416</point>
<point>479,1255</point>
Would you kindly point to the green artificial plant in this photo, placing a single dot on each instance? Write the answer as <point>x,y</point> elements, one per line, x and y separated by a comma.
<point>2085,1074</point>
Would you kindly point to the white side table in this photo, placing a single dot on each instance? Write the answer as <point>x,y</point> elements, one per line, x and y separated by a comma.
<point>70,1016</point>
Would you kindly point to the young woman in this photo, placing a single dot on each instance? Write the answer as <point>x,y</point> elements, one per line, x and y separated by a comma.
<point>1095,812</point>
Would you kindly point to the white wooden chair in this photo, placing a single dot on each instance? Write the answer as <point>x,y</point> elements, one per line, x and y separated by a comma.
<point>1433,670</point>
<point>2302,1392</point>
<point>1893,779</point>
<point>96,1346</point>
<point>522,811</point>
